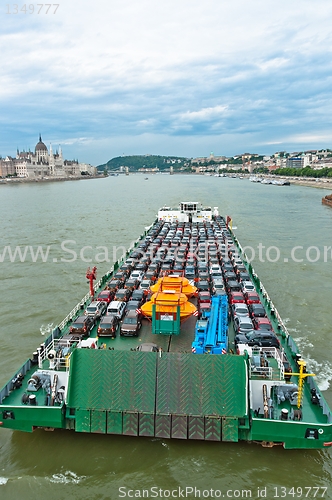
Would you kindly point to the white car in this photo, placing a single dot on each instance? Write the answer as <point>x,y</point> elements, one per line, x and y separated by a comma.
<point>247,286</point>
<point>116,308</point>
<point>137,275</point>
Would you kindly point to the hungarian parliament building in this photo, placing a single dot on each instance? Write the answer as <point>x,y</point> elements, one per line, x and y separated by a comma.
<point>43,163</point>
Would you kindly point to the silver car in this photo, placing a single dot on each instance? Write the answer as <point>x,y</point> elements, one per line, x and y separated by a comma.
<point>96,309</point>
<point>240,310</point>
<point>243,324</point>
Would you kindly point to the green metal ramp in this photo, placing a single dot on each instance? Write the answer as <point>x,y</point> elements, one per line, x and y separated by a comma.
<point>177,395</point>
<point>112,380</point>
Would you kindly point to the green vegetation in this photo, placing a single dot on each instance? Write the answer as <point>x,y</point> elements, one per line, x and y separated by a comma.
<point>261,170</point>
<point>136,162</point>
<point>303,172</point>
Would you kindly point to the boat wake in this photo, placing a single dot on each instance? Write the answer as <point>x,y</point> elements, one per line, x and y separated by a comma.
<point>323,372</point>
<point>46,329</point>
<point>66,478</point>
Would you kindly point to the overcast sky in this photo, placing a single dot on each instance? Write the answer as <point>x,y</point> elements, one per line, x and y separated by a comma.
<point>179,77</point>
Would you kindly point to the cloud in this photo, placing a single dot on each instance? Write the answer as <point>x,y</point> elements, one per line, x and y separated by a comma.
<point>102,78</point>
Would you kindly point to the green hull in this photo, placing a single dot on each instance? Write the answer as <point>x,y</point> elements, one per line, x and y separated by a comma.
<point>167,394</point>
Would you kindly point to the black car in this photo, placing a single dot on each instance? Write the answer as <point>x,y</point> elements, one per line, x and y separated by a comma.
<point>243,276</point>
<point>230,276</point>
<point>114,284</point>
<point>257,311</point>
<point>138,295</point>
<point>203,275</point>
<point>179,267</point>
<point>233,286</point>
<point>262,339</point>
<point>133,305</point>
<point>190,272</point>
<point>123,294</point>
<point>203,285</point>
<point>131,284</point>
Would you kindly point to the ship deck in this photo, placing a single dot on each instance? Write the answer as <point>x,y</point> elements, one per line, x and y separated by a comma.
<point>117,389</point>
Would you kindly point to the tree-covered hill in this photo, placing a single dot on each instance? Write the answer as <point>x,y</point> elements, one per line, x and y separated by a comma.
<point>136,162</point>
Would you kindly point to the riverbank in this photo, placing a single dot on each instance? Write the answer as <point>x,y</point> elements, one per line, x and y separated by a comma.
<point>15,180</point>
<point>322,184</point>
<point>315,183</point>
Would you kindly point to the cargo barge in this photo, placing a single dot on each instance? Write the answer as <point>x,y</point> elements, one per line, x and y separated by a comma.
<point>327,200</point>
<point>180,340</point>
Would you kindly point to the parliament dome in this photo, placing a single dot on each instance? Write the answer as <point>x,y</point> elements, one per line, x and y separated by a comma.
<point>40,146</point>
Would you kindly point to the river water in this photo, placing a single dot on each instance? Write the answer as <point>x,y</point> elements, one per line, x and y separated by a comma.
<point>88,220</point>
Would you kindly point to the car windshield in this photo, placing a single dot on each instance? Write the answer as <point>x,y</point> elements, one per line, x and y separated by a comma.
<point>92,309</point>
<point>129,321</point>
<point>77,325</point>
<point>245,326</point>
<point>132,304</point>
<point>253,335</point>
<point>241,310</point>
<point>106,325</point>
<point>264,326</point>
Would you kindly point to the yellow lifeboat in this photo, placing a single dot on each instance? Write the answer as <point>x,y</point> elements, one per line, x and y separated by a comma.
<point>167,302</point>
<point>174,282</point>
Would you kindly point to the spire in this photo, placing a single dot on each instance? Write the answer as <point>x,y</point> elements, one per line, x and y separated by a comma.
<point>40,139</point>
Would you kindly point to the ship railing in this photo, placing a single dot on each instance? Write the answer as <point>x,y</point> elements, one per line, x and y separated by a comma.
<point>266,296</point>
<point>73,312</point>
<point>58,353</point>
<point>7,389</point>
<point>272,372</point>
<point>260,371</point>
<point>100,282</point>
<point>322,403</point>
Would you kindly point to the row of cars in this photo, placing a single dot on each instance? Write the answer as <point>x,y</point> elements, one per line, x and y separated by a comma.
<point>165,249</point>
<point>111,315</point>
<point>251,325</point>
<point>205,254</point>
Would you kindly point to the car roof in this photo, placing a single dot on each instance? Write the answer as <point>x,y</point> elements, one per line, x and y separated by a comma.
<point>108,319</point>
<point>116,303</point>
<point>243,319</point>
<point>131,313</point>
<point>239,305</point>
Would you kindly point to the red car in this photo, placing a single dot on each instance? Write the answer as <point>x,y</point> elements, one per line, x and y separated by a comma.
<point>252,298</point>
<point>204,297</point>
<point>203,308</point>
<point>236,297</point>
<point>106,296</point>
<point>262,324</point>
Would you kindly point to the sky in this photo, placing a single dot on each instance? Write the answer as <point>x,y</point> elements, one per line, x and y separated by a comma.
<point>104,78</point>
